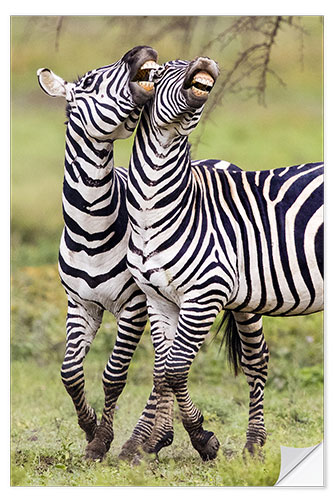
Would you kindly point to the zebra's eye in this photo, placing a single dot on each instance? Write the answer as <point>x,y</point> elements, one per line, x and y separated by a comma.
<point>87,82</point>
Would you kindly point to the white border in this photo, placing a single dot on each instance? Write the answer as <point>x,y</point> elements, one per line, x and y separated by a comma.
<point>172,7</point>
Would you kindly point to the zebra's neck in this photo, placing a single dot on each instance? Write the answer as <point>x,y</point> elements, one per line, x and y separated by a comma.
<point>91,186</point>
<point>160,174</point>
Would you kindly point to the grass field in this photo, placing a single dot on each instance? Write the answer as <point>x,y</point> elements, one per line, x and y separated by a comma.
<point>47,445</point>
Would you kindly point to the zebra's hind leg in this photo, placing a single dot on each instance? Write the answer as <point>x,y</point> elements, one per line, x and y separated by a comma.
<point>205,442</point>
<point>162,431</point>
<point>150,434</point>
<point>254,362</point>
<point>81,329</point>
<point>131,324</point>
<point>132,447</point>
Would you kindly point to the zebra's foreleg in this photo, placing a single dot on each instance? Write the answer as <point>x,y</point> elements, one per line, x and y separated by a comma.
<point>190,335</point>
<point>154,429</point>
<point>81,329</point>
<point>131,324</point>
<point>254,362</point>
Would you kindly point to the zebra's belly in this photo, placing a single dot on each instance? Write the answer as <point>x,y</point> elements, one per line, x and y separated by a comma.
<point>301,302</point>
<point>107,285</point>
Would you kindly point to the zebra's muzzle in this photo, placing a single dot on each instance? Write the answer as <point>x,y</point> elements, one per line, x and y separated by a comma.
<point>143,64</point>
<point>199,80</point>
<point>144,76</point>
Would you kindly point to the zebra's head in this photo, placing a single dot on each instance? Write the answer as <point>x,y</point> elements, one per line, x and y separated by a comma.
<point>107,101</point>
<point>181,90</point>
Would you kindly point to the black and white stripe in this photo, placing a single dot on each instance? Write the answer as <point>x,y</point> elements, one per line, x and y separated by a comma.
<point>102,106</point>
<point>205,238</point>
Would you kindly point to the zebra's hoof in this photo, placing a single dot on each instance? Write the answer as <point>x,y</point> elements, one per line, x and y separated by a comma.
<point>136,460</point>
<point>96,450</point>
<point>251,448</point>
<point>129,450</point>
<point>166,440</point>
<point>208,446</point>
<point>154,447</point>
<point>254,450</point>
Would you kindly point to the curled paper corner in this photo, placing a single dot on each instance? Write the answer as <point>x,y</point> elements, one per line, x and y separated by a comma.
<point>301,466</point>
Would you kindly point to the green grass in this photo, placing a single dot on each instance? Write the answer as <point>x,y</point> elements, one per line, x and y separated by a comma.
<point>48,446</point>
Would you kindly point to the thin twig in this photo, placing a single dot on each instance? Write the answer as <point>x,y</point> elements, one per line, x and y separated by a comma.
<point>58,30</point>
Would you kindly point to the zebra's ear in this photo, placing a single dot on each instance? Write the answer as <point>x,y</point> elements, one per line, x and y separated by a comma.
<point>52,84</point>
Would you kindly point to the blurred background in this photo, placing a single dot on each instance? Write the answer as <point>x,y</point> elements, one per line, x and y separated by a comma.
<point>266,111</point>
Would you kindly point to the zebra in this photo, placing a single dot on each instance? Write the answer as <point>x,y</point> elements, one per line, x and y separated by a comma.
<point>254,367</point>
<point>205,238</point>
<point>102,106</point>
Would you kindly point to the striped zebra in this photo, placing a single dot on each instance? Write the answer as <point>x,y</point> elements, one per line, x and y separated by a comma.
<point>102,106</point>
<point>206,238</point>
<point>254,366</point>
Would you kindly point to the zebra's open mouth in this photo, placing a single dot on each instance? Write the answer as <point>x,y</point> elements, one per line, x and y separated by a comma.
<point>199,80</point>
<point>202,83</point>
<point>143,76</point>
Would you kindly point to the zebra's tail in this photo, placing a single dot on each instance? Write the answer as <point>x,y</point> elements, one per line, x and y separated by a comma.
<point>232,341</point>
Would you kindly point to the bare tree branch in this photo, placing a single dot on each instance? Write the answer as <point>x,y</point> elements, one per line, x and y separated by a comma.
<point>246,41</point>
<point>265,68</point>
<point>249,71</point>
<point>58,31</point>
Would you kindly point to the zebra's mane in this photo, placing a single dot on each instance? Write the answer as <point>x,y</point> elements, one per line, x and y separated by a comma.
<point>68,106</point>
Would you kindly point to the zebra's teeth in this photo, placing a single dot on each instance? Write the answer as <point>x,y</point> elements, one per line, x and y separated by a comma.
<point>143,76</point>
<point>204,78</point>
<point>202,83</point>
<point>198,92</point>
<point>150,65</point>
<point>146,85</point>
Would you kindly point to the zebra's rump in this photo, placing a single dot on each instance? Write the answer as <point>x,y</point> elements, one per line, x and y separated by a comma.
<point>280,220</point>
